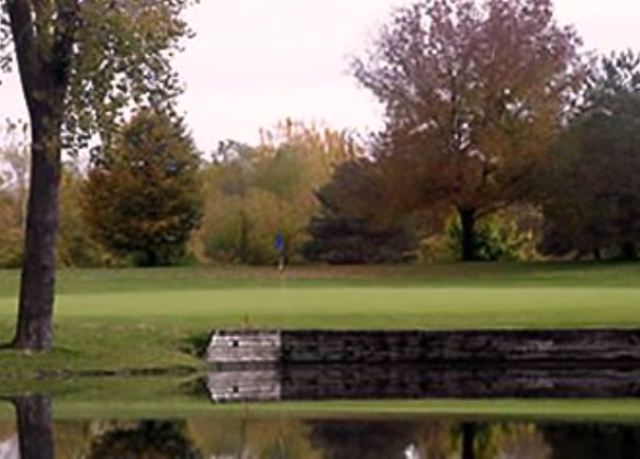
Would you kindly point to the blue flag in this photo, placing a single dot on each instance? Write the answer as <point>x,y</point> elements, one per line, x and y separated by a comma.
<point>278,243</point>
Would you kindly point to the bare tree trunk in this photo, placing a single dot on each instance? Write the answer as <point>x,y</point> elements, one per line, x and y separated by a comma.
<point>35,429</point>
<point>34,329</point>
<point>467,235</point>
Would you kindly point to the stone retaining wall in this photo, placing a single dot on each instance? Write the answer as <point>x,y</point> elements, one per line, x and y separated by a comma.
<point>527,347</point>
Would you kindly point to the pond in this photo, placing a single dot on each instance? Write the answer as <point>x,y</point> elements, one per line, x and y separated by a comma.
<point>323,413</point>
<point>290,436</point>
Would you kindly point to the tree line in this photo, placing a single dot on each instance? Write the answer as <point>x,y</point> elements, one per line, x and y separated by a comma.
<point>501,139</point>
<point>154,200</point>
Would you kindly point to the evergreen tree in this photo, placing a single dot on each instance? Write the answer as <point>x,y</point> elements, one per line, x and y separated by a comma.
<point>142,197</point>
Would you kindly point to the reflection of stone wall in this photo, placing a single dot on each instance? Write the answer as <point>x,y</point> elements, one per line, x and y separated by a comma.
<point>256,385</point>
<point>316,346</point>
<point>327,382</point>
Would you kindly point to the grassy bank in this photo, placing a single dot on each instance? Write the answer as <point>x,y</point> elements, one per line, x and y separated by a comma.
<point>143,319</point>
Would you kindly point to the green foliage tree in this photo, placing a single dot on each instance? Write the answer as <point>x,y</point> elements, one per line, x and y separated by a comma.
<point>592,201</point>
<point>81,64</point>
<point>143,196</point>
<point>498,237</point>
<point>75,247</point>
<point>474,93</point>
<point>252,194</point>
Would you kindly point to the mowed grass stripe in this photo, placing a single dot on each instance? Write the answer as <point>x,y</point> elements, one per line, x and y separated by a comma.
<point>464,307</point>
<point>98,281</point>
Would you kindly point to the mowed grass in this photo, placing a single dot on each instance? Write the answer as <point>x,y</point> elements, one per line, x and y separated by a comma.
<point>129,319</point>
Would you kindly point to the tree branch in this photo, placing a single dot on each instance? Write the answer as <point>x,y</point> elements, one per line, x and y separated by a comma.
<point>64,39</point>
<point>22,31</point>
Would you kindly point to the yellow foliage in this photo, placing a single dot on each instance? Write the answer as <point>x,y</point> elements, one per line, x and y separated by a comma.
<point>253,195</point>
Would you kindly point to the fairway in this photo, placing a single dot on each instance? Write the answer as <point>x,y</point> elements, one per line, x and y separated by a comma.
<point>132,319</point>
<point>360,307</point>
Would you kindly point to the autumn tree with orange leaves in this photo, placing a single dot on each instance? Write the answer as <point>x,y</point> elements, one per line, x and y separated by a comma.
<point>474,93</point>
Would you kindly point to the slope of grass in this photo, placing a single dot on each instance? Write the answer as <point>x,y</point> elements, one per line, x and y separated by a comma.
<point>131,319</point>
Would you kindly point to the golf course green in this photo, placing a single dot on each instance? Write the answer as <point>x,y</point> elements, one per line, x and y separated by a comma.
<point>124,320</point>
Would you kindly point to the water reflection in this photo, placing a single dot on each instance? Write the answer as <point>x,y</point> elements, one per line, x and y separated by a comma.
<point>338,382</point>
<point>34,429</point>
<point>144,439</point>
<point>35,435</point>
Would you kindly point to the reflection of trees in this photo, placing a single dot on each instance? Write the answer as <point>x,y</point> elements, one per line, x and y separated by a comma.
<point>35,428</point>
<point>295,438</point>
<point>242,438</point>
<point>430,439</point>
<point>488,441</point>
<point>434,441</point>
<point>468,433</point>
<point>593,441</point>
<point>72,439</point>
<point>475,440</point>
<point>148,439</point>
<point>363,439</point>
<point>525,441</point>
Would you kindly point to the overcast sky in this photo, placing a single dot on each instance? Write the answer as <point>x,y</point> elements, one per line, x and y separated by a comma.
<point>254,62</point>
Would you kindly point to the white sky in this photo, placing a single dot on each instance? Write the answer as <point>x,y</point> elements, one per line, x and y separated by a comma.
<point>255,62</point>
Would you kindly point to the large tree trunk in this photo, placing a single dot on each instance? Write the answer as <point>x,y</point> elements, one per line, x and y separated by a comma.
<point>34,330</point>
<point>43,40</point>
<point>467,234</point>
<point>35,429</point>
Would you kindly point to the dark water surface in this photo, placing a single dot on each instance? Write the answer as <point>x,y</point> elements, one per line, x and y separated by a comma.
<point>35,435</point>
<point>219,417</point>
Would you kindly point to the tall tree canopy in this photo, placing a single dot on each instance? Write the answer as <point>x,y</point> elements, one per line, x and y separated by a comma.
<point>593,193</point>
<point>253,194</point>
<point>82,64</point>
<point>473,93</point>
